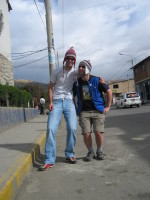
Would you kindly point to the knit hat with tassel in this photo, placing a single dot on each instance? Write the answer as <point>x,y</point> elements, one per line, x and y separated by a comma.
<point>70,53</point>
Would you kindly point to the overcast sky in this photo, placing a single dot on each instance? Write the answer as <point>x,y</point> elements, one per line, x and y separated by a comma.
<point>98,30</point>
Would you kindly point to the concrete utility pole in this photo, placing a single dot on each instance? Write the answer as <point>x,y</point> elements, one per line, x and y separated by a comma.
<point>50,39</point>
<point>122,54</point>
<point>128,82</point>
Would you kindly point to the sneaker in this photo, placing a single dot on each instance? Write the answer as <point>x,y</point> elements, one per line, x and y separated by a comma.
<point>89,156</point>
<point>46,166</point>
<point>100,155</point>
<point>71,160</point>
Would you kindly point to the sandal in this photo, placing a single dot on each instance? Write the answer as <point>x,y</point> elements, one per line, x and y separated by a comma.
<point>71,160</point>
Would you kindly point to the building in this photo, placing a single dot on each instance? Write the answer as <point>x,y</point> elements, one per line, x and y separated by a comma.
<point>142,79</point>
<point>6,68</point>
<point>120,86</point>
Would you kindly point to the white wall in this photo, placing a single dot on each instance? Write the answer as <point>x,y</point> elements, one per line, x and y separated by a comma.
<point>5,48</point>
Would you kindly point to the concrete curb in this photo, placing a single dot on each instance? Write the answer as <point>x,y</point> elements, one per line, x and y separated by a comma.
<point>12,180</point>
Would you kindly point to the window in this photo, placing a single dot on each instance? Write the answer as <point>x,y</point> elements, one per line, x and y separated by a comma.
<point>143,67</point>
<point>131,95</point>
<point>116,86</point>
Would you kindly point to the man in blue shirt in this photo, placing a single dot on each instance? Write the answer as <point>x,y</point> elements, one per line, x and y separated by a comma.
<point>91,108</point>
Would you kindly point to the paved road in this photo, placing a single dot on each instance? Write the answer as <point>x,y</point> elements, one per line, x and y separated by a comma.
<point>123,175</point>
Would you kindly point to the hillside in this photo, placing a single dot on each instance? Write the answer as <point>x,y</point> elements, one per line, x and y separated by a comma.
<point>26,83</point>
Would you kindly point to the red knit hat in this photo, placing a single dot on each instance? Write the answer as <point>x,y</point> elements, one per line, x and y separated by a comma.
<point>70,53</point>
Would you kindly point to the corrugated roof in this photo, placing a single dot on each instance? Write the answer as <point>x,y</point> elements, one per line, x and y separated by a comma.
<point>147,58</point>
<point>118,81</point>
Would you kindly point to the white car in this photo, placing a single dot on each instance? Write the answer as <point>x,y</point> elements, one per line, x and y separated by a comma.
<point>128,100</point>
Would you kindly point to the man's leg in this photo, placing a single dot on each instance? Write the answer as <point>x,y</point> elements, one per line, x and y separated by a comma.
<point>99,140</point>
<point>71,126</point>
<point>85,123</point>
<point>52,126</point>
<point>98,127</point>
<point>42,109</point>
<point>88,141</point>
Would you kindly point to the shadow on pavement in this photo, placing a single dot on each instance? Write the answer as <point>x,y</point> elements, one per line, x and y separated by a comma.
<point>30,148</point>
<point>59,159</point>
<point>23,147</point>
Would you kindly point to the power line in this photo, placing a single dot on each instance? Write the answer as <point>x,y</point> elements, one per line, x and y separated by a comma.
<point>22,65</point>
<point>125,73</point>
<point>119,70</point>
<point>25,52</point>
<point>39,14</point>
<point>98,5</point>
<point>26,55</point>
<point>125,65</point>
<point>142,54</point>
<point>63,24</point>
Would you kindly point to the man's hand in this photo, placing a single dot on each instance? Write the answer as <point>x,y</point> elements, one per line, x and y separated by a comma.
<point>51,106</point>
<point>101,80</point>
<point>106,109</point>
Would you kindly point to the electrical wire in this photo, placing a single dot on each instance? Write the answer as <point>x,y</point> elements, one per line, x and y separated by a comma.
<point>22,65</point>
<point>118,70</point>
<point>26,55</point>
<point>126,63</point>
<point>63,24</point>
<point>25,52</point>
<point>142,54</point>
<point>125,73</point>
<point>98,5</point>
<point>39,14</point>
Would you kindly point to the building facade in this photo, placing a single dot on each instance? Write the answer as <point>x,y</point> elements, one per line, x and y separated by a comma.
<point>6,68</point>
<point>120,86</point>
<point>142,79</point>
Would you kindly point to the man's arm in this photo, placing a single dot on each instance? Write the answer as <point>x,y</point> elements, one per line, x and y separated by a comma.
<point>50,93</point>
<point>74,95</point>
<point>109,100</point>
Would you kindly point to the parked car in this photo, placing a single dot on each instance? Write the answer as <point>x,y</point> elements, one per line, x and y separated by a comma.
<point>128,100</point>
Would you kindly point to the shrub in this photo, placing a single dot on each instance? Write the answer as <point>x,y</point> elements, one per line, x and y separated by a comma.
<point>12,96</point>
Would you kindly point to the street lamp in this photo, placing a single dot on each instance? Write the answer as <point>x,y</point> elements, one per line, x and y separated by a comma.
<point>122,54</point>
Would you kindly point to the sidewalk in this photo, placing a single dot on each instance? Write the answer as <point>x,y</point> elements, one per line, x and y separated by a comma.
<point>19,148</point>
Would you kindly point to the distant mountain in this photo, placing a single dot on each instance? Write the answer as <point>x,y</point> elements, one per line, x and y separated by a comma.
<point>25,83</point>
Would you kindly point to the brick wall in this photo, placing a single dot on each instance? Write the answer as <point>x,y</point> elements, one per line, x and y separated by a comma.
<point>142,71</point>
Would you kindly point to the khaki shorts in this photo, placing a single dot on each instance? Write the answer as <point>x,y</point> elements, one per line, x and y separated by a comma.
<point>89,118</point>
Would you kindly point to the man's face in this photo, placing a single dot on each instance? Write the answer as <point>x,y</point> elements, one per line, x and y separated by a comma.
<point>82,70</point>
<point>70,61</point>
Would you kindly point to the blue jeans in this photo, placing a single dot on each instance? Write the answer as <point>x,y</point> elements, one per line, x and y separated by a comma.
<point>66,107</point>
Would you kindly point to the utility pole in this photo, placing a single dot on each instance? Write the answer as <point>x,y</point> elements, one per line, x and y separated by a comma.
<point>50,39</point>
<point>57,60</point>
<point>122,54</point>
<point>128,81</point>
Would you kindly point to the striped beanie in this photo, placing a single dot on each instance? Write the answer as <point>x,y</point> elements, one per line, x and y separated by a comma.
<point>87,65</point>
<point>70,53</point>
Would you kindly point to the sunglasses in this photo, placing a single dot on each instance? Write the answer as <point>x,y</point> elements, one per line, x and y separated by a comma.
<point>82,66</point>
<point>68,58</point>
